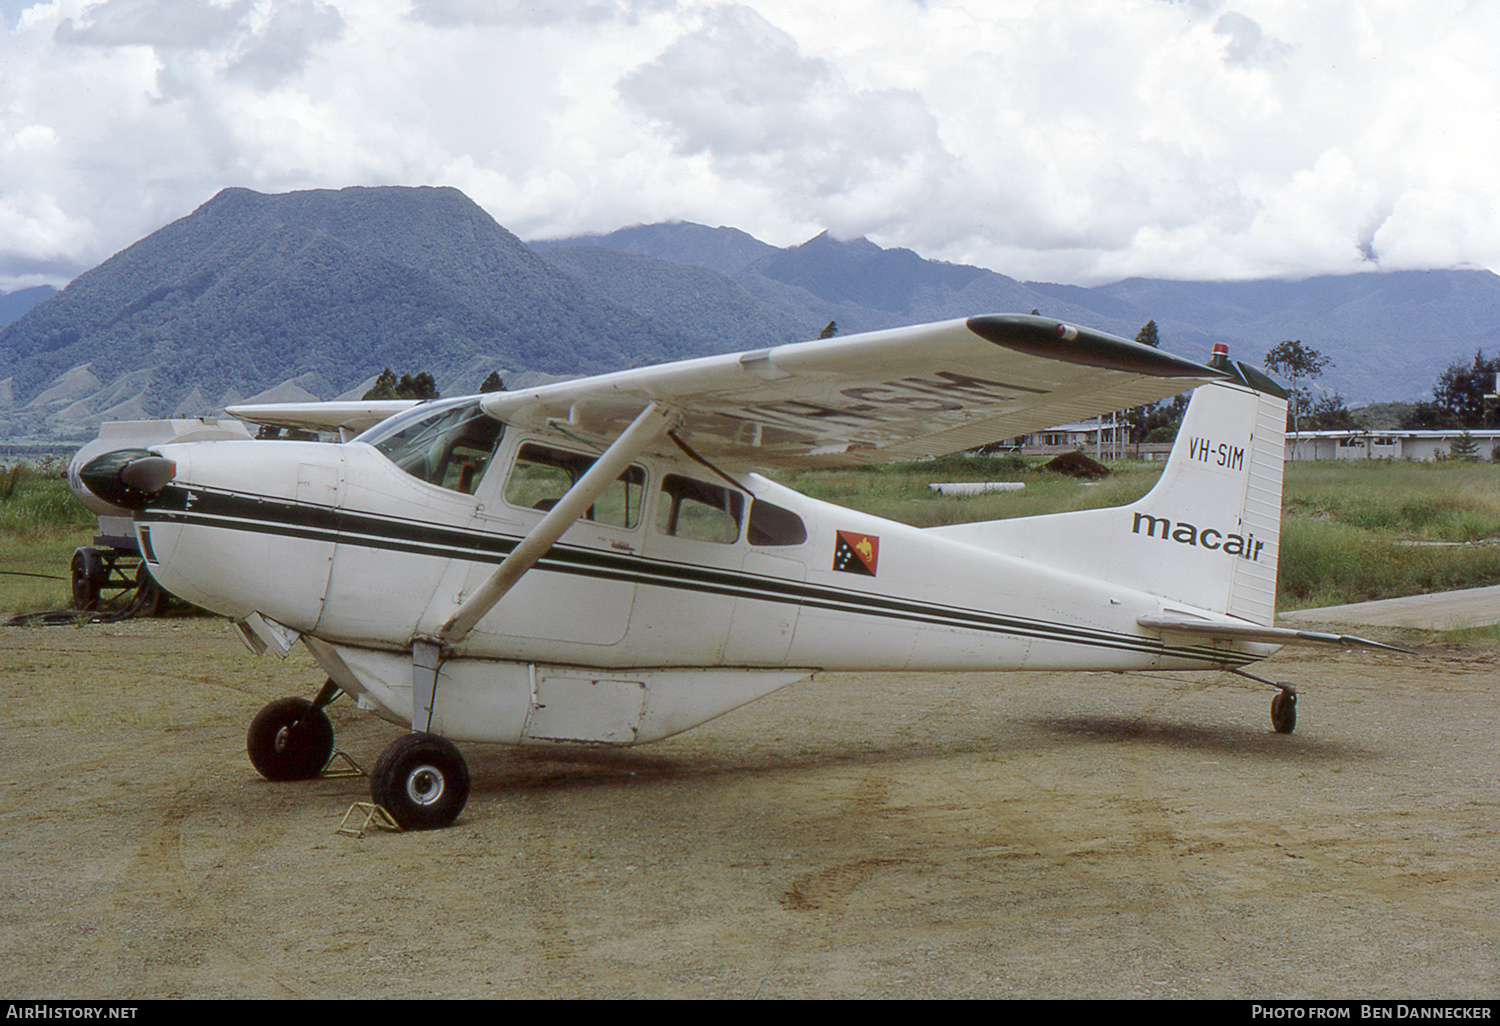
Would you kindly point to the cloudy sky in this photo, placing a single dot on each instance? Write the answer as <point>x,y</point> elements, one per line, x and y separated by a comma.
<point>1071,140</point>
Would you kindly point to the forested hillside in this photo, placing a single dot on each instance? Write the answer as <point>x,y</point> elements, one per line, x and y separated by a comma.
<point>320,289</point>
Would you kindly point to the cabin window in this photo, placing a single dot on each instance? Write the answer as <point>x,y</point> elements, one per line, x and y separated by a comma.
<point>695,509</point>
<point>542,475</point>
<point>772,525</point>
<point>448,445</point>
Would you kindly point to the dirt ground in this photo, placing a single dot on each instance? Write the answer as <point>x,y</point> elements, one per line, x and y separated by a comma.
<point>1022,835</point>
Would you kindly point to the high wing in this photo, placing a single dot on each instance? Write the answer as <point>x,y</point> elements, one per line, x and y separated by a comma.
<point>888,395</point>
<point>347,418</point>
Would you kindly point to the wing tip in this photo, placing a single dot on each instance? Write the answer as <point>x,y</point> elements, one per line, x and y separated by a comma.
<point>1069,343</point>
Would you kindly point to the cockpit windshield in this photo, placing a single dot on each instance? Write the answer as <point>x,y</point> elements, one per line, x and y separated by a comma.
<point>448,444</point>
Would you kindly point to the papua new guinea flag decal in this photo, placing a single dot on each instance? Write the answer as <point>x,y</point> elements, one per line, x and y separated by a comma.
<point>856,553</point>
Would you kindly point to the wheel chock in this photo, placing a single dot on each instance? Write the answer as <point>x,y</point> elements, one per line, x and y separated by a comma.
<point>352,769</point>
<point>375,815</point>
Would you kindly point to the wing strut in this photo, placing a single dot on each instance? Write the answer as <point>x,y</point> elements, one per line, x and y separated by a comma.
<point>649,426</point>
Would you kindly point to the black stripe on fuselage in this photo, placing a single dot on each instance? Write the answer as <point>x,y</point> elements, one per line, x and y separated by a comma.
<point>236,511</point>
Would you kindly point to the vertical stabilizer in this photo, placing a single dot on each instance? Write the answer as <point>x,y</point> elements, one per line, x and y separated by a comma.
<point>1212,524</point>
<point>1207,536</point>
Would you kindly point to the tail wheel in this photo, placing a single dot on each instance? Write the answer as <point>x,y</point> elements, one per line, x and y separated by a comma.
<point>422,781</point>
<point>290,740</point>
<point>1284,712</point>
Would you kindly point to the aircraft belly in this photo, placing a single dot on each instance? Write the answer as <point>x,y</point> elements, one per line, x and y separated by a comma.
<point>956,649</point>
<point>509,702</point>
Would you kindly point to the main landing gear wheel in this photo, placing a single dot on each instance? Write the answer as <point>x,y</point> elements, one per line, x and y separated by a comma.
<point>422,781</point>
<point>290,739</point>
<point>1284,711</point>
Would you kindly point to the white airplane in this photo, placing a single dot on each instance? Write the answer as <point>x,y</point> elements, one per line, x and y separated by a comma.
<point>595,561</point>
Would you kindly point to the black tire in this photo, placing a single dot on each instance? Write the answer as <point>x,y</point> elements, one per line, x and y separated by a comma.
<point>89,574</point>
<point>422,781</point>
<point>288,741</point>
<point>1284,712</point>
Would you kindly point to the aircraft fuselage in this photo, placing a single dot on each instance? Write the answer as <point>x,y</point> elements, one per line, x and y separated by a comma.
<point>339,544</point>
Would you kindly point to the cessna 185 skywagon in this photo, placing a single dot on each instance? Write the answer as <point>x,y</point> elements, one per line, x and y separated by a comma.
<point>596,560</point>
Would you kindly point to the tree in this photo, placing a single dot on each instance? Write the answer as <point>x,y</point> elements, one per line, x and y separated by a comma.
<point>1465,447</point>
<point>829,330</point>
<point>1295,362</point>
<point>418,386</point>
<point>1458,397</point>
<point>385,386</point>
<point>1156,421</point>
<point>493,383</point>
<point>1329,413</point>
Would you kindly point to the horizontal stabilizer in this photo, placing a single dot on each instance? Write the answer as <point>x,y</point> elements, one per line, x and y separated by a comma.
<point>1251,632</point>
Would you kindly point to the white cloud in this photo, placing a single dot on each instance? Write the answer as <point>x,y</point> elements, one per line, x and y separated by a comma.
<point>739,92</point>
<point>1080,141</point>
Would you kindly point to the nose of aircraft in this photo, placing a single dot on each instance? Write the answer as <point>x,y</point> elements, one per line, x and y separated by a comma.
<point>128,478</point>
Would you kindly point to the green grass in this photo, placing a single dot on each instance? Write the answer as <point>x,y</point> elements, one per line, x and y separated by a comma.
<point>1439,502</point>
<point>34,574</point>
<point>1326,564</point>
<point>40,526</point>
<point>1357,531</point>
<point>1488,634</point>
<point>900,492</point>
<point>33,501</point>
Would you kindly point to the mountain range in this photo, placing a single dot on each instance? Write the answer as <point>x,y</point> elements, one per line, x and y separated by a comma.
<point>311,294</point>
<point>1389,335</point>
